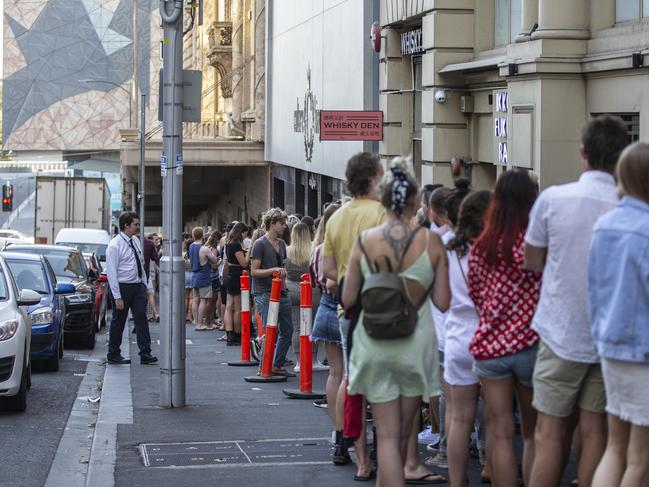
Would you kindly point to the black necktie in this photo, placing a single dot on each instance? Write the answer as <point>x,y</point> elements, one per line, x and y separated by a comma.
<point>137,259</point>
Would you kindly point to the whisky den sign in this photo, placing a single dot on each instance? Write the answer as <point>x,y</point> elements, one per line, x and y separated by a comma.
<point>351,125</point>
<point>411,42</point>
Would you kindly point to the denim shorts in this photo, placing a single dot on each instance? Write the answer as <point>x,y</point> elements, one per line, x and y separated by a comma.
<point>325,324</point>
<point>520,366</point>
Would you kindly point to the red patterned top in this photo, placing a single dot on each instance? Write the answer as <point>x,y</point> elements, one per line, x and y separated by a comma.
<point>505,297</point>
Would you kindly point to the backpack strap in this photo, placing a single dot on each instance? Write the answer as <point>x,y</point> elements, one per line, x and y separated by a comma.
<point>432,284</point>
<point>369,262</point>
<point>405,250</point>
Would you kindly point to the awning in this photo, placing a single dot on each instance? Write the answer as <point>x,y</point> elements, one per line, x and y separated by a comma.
<point>475,64</point>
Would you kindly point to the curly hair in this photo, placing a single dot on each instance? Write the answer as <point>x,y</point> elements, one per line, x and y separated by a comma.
<point>361,169</point>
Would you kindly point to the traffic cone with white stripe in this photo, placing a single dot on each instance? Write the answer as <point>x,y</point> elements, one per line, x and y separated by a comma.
<point>306,370</point>
<point>245,361</point>
<point>266,374</point>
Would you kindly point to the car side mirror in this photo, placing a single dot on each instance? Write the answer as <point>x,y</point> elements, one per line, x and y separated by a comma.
<point>28,297</point>
<point>64,288</point>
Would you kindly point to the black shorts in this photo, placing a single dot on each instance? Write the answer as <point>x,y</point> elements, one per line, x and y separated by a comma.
<point>224,292</point>
<point>233,285</point>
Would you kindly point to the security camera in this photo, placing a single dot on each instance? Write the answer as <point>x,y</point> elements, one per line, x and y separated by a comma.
<point>440,96</point>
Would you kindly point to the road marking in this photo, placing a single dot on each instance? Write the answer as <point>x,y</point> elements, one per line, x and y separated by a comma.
<point>187,342</point>
<point>244,453</point>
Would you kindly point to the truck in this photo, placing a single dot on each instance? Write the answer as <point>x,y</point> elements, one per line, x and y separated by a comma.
<point>69,202</point>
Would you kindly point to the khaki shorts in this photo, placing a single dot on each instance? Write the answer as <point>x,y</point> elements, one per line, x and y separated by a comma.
<point>202,292</point>
<point>560,385</point>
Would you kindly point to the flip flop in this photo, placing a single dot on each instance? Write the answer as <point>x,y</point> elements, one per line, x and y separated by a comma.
<point>365,478</point>
<point>428,479</point>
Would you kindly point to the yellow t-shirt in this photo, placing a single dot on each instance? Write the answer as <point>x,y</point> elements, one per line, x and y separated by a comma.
<point>346,225</point>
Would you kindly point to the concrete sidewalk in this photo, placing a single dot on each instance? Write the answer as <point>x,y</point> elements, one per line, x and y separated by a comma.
<point>223,421</point>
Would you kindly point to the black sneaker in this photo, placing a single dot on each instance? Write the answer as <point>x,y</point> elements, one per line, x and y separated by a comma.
<point>341,456</point>
<point>321,403</point>
<point>118,360</point>
<point>148,359</point>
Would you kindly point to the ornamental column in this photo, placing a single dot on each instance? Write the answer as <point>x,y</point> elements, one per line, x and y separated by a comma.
<point>560,19</point>
<point>529,17</point>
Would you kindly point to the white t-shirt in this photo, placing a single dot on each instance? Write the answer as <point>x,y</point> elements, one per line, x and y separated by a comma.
<point>562,221</point>
<point>439,318</point>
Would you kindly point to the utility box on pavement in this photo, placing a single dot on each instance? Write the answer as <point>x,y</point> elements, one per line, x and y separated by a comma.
<point>70,202</point>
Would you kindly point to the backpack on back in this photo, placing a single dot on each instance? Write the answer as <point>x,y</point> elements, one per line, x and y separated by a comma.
<point>387,310</point>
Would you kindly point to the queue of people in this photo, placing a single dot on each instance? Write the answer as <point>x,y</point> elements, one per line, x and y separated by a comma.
<point>494,308</point>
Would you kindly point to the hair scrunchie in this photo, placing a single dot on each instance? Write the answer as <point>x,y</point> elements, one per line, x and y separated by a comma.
<point>400,186</point>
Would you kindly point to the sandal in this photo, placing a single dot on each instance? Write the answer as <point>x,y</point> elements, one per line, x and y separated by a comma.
<point>428,479</point>
<point>282,372</point>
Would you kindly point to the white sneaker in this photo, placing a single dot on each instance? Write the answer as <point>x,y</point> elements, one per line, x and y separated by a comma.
<point>296,369</point>
<point>318,366</point>
<point>438,460</point>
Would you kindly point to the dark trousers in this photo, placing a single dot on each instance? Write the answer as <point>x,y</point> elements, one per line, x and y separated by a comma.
<point>135,298</point>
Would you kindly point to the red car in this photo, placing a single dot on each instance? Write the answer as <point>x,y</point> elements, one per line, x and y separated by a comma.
<point>101,289</point>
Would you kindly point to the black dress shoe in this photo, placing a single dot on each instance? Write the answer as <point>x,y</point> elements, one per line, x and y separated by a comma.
<point>148,359</point>
<point>117,360</point>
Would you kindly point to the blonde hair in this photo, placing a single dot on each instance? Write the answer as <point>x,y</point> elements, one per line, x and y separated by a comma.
<point>299,252</point>
<point>633,171</point>
<point>322,227</point>
<point>197,233</point>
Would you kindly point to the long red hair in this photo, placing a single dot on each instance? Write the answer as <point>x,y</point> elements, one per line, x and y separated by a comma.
<point>507,216</point>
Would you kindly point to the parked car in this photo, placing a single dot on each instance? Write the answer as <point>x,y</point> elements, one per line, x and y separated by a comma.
<point>15,341</point>
<point>8,237</point>
<point>101,289</point>
<point>34,272</point>
<point>87,240</point>
<point>69,266</point>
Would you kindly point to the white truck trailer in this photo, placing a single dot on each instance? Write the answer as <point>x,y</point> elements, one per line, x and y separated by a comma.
<point>69,202</point>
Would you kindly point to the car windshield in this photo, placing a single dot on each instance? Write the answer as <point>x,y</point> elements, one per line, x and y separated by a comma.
<point>87,248</point>
<point>4,291</point>
<point>66,264</point>
<point>29,274</point>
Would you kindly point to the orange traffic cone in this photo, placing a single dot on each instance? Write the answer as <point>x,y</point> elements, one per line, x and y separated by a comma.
<point>306,369</point>
<point>245,323</point>
<point>266,374</point>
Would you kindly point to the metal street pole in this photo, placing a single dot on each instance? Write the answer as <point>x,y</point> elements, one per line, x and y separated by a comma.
<point>141,179</point>
<point>172,313</point>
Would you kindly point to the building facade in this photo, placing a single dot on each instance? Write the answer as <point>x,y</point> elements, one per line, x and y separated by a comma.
<point>495,84</point>
<point>225,176</point>
<point>319,58</point>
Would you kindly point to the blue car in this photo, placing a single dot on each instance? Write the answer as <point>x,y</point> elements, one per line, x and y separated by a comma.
<point>34,272</point>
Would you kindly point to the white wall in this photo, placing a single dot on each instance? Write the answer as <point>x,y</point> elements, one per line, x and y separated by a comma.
<point>332,36</point>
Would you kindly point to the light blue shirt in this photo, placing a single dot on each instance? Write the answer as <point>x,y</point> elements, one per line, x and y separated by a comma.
<point>618,282</point>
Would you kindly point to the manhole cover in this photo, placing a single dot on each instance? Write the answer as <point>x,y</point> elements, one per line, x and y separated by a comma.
<point>243,452</point>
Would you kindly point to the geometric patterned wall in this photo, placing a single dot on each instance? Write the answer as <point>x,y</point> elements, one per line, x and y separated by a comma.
<point>52,48</point>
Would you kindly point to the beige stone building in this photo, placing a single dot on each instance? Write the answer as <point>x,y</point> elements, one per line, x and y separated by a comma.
<point>225,175</point>
<point>508,83</point>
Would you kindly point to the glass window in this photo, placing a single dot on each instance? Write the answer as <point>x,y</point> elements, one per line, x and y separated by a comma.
<point>66,264</point>
<point>29,274</point>
<point>501,23</point>
<point>514,19</point>
<point>626,10</point>
<point>98,249</point>
<point>4,291</point>
<point>645,8</point>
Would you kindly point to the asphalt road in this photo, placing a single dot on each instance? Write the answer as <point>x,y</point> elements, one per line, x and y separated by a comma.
<point>29,440</point>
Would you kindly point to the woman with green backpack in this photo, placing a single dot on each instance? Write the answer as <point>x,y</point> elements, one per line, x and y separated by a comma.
<point>392,271</point>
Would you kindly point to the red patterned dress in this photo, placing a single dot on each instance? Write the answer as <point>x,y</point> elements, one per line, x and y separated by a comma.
<point>505,296</point>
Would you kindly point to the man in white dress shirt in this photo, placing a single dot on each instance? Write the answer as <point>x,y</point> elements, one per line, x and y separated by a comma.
<point>127,280</point>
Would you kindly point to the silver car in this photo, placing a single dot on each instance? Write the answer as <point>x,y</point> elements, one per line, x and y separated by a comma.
<point>15,339</point>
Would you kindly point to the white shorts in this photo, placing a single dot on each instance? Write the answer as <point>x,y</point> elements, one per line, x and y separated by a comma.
<point>458,362</point>
<point>627,390</point>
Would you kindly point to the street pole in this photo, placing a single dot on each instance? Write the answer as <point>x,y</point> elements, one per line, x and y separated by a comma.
<point>142,182</point>
<point>172,313</point>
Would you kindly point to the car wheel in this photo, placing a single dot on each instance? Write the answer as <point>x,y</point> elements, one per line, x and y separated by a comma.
<point>18,403</point>
<point>52,363</point>
<point>89,341</point>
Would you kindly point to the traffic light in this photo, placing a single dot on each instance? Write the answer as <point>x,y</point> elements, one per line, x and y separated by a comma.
<point>7,197</point>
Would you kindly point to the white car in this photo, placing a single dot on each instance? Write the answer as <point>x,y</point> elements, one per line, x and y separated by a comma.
<point>15,340</point>
<point>8,236</point>
<point>88,240</point>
